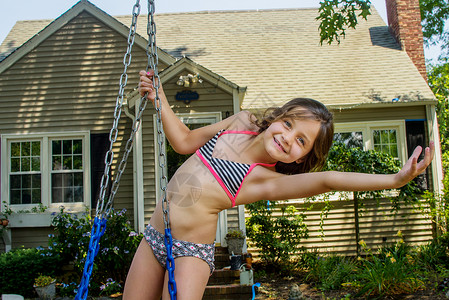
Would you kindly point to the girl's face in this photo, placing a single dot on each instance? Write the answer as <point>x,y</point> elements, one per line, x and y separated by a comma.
<point>290,140</point>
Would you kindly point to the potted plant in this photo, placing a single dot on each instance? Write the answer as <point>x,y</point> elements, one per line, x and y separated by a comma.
<point>45,287</point>
<point>235,240</point>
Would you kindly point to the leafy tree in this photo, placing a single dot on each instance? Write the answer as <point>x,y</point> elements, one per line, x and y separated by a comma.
<point>338,15</point>
<point>434,14</point>
<point>438,77</point>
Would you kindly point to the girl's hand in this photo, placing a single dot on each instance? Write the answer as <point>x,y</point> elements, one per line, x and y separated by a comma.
<point>412,168</point>
<point>146,84</point>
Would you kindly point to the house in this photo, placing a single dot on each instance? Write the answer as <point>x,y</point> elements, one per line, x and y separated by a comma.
<point>59,81</point>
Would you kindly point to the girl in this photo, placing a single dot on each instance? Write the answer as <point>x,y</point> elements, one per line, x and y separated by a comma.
<point>239,160</point>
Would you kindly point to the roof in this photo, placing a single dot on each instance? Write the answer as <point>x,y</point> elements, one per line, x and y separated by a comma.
<point>276,54</point>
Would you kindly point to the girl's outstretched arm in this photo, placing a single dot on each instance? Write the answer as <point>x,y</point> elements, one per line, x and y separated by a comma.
<point>310,184</point>
<point>181,138</point>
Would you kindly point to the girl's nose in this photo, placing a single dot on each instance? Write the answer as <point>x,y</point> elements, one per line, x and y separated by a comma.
<point>287,137</point>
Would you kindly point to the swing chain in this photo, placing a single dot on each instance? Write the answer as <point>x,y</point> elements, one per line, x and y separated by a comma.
<point>153,64</point>
<point>103,208</point>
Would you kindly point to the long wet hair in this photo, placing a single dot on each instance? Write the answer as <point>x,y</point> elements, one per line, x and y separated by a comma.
<point>303,108</point>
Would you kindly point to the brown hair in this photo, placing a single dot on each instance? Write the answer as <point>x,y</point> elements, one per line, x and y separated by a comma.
<point>314,110</point>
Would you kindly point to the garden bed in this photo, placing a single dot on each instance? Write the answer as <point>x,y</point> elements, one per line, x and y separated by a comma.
<point>274,286</point>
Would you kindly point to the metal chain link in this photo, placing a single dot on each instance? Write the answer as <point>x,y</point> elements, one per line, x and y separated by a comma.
<point>103,207</point>
<point>153,64</point>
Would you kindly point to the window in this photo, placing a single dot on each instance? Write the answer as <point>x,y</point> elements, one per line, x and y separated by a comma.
<point>67,171</point>
<point>386,141</point>
<point>350,139</point>
<point>387,137</point>
<point>47,169</point>
<point>25,172</point>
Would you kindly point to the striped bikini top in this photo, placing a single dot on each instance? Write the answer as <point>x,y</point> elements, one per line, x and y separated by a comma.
<point>229,174</point>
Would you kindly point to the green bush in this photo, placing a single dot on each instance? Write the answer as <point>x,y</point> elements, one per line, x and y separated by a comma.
<point>277,237</point>
<point>117,246</point>
<point>330,272</point>
<point>388,273</point>
<point>20,267</point>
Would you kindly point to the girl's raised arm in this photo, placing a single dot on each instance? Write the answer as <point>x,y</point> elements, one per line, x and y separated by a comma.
<point>310,184</point>
<point>181,138</point>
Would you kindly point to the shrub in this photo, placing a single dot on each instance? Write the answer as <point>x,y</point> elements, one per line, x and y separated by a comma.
<point>278,237</point>
<point>330,272</point>
<point>117,246</point>
<point>20,267</point>
<point>388,273</point>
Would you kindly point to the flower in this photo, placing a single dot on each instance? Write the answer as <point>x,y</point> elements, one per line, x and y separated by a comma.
<point>362,243</point>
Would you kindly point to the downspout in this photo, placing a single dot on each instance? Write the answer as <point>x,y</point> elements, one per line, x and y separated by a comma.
<point>138,199</point>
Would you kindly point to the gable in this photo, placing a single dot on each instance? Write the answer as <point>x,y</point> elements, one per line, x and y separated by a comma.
<point>72,76</point>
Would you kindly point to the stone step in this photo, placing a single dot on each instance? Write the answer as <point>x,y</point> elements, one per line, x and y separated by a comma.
<point>224,276</point>
<point>228,292</point>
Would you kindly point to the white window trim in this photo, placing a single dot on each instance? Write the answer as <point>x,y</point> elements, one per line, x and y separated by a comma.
<point>367,131</point>
<point>368,144</point>
<point>45,139</point>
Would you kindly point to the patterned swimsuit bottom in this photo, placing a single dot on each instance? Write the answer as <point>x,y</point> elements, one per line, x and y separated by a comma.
<point>180,248</point>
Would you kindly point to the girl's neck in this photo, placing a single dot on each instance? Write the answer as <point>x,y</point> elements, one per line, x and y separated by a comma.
<point>256,151</point>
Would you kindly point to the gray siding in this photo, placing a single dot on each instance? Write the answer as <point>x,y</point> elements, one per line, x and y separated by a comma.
<point>379,114</point>
<point>70,82</point>
<point>378,225</point>
<point>30,237</point>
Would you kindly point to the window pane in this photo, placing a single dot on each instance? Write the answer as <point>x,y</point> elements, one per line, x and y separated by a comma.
<point>36,181</point>
<point>35,164</point>
<point>26,181</point>
<point>78,179</point>
<point>78,194</point>
<point>387,142</point>
<point>15,149</point>
<point>77,162</point>
<point>56,147</point>
<point>15,164</point>
<point>56,195</point>
<point>26,150</point>
<point>67,147</point>
<point>25,164</point>
<point>15,181</point>
<point>36,196</point>
<point>392,135</point>
<point>67,162</point>
<point>35,148</point>
<point>26,196</point>
<point>68,195</point>
<point>384,138</point>
<point>56,180</point>
<point>57,164</point>
<point>350,139</point>
<point>376,136</point>
<point>394,150</point>
<point>15,197</point>
<point>77,147</point>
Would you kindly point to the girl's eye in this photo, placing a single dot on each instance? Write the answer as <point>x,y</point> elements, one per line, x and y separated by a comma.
<point>287,123</point>
<point>301,141</point>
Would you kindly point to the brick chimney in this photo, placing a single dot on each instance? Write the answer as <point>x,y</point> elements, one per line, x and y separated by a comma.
<point>404,19</point>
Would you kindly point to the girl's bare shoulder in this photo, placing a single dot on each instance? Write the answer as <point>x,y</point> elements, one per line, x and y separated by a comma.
<point>243,120</point>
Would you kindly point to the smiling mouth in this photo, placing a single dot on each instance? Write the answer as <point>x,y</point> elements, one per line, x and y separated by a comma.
<point>279,144</point>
